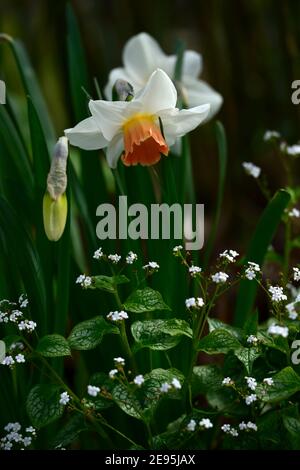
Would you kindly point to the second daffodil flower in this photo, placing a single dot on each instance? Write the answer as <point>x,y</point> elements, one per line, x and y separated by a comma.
<point>141,129</point>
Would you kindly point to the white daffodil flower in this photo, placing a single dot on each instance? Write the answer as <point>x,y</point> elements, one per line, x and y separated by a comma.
<point>132,128</point>
<point>142,55</point>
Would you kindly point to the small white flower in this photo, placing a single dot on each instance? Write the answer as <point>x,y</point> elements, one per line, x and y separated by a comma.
<point>12,427</point>
<point>8,361</point>
<point>252,339</point>
<point>165,387</point>
<point>20,358</point>
<point>250,399</point>
<point>293,315</point>
<point>64,398</point>
<point>139,380</point>
<point>7,446</point>
<point>120,361</point>
<point>31,430</point>
<point>27,441</point>
<point>92,390</point>
<point>268,381</point>
<point>131,257</point>
<point>114,258</point>
<point>28,325</point>
<point>206,423</point>
<point>227,381</point>
<point>293,150</point>
<point>243,426</point>
<point>229,255</point>
<point>98,254</point>
<point>294,213</point>
<point>252,270</point>
<point>194,270</point>
<point>177,249</point>
<point>23,301</point>
<point>84,281</point>
<point>278,330</point>
<point>194,302</point>
<point>226,428</point>
<point>233,432</point>
<point>296,274</point>
<point>219,278</point>
<point>117,316</point>
<point>112,373</point>
<point>251,426</point>
<point>152,265</point>
<point>277,293</point>
<point>251,169</point>
<point>251,382</point>
<point>176,383</point>
<point>191,426</point>
<point>270,135</point>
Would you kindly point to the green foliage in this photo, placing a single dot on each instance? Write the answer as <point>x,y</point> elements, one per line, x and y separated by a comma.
<point>108,283</point>
<point>145,300</point>
<point>159,335</point>
<point>88,334</point>
<point>43,405</point>
<point>53,346</point>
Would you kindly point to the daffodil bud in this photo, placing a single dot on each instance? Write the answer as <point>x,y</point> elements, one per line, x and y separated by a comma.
<point>122,91</point>
<point>55,203</point>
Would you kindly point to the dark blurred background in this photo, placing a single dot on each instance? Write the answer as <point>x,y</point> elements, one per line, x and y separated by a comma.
<point>251,56</point>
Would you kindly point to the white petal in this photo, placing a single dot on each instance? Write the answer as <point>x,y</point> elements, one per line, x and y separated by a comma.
<point>159,93</point>
<point>114,150</point>
<point>199,92</point>
<point>109,116</point>
<point>116,74</point>
<point>177,123</point>
<point>141,56</point>
<point>192,64</point>
<point>86,135</point>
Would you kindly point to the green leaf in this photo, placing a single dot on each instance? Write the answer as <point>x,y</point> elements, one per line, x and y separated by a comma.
<point>108,283</point>
<point>219,341</point>
<point>89,333</point>
<point>214,324</point>
<point>262,238</point>
<point>101,380</point>
<point>151,388</point>
<point>286,383</point>
<point>145,300</point>
<point>70,431</point>
<point>247,356</point>
<point>250,327</point>
<point>159,334</point>
<point>222,154</point>
<point>274,342</point>
<point>125,399</point>
<point>43,405</point>
<point>53,346</point>
<point>206,379</point>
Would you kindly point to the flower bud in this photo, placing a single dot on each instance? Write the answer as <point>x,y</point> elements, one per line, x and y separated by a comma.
<point>122,91</point>
<point>55,203</point>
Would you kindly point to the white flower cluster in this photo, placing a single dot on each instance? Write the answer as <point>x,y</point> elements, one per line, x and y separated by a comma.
<point>294,213</point>
<point>194,302</point>
<point>252,270</point>
<point>92,390</point>
<point>250,399</point>
<point>251,382</point>
<point>98,254</point>
<point>229,255</point>
<point>64,398</point>
<point>120,361</point>
<point>270,135</point>
<point>139,380</point>
<point>114,258</point>
<point>268,381</point>
<point>278,330</point>
<point>16,357</point>
<point>204,423</point>
<point>220,277</point>
<point>84,281</point>
<point>151,266</point>
<point>277,293</point>
<point>292,313</point>
<point>292,150</point>
<point>194,270</point>
<point>228,429</point>
<point>117,316</point>
<point>15,438</point>
<point>247,426</point>
<point>296,274</point>
<point>227,382</point>
<point>252,339</point>
<point>112,373</point>
<point>177,249</point>
<point>175,384</point>
<point>131,257</point>
<point>10,313</point>
<point>251,169</point>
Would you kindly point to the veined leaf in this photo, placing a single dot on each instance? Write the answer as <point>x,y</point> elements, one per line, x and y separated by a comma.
<point>145,300</point>
<point>53,346</point>
<point>43,405</point>
<point>159,334</point>
<point>89,333</point>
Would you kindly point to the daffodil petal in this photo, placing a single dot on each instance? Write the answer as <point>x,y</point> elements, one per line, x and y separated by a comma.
<point>199,92</point>
<point>118,74</point>
<point>159,93</point>
<point>114,150</point>
<point>177,123</point>
<point>192,64</point>
<point>86,135</point>
<point>109,116</point>
<point>141,56</point>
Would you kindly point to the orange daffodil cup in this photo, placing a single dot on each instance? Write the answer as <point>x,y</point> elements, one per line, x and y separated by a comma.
<point>141,130</point>
<point>142,55</point>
